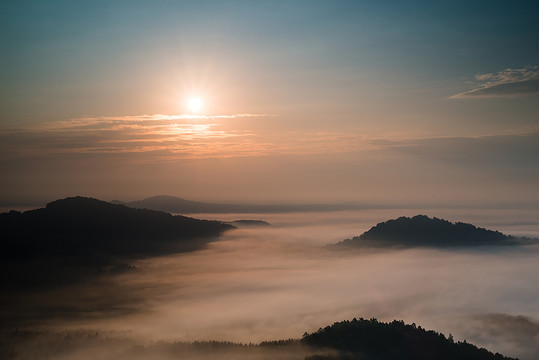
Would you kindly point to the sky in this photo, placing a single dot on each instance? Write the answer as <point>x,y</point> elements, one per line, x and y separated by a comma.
<point>393,103</point>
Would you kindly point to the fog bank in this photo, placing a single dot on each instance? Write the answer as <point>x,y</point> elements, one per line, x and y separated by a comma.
<point>275,283</point>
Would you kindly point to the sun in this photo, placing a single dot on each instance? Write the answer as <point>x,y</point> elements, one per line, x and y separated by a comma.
<point>194,104</point>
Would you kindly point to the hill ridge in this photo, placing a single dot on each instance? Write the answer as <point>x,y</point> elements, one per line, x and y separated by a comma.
<point>375,340</point>
<point>421,230</point>
<point>80,224</point>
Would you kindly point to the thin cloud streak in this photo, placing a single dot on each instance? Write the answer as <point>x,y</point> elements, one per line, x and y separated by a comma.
<point>507,83</point>
<point>170,117</point>
<point>101,122</point>
<point>189,135</point>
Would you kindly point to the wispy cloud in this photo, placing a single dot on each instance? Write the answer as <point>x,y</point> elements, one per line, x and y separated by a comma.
<point>187,136</point>
<point>158,138</point>
<point>507,83</point>
<point>169,137</point>
<point>125,121</point>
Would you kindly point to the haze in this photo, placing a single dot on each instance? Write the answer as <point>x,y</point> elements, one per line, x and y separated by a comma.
<point>398,108</point>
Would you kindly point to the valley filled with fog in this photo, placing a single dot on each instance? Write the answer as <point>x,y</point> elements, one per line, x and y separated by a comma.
<point>269,283</point>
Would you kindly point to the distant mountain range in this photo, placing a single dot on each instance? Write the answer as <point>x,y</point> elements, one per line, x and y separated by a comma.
<point>178,205</point>
<point>421,230</point>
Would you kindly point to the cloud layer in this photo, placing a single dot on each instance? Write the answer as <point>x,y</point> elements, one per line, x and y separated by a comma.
<point>274,283</point>
<point>168,137</point>
<point>175,137</point>
<point>186,136</point>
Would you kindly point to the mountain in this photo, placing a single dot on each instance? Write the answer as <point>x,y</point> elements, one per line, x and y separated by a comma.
<point>80,225</point>
<point>373,340</point>
<point>178,205</point>
<point>78,239</point>
<point>421,230</point>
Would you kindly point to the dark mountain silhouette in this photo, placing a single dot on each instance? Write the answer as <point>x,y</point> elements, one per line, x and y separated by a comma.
<point>373,340</point>
<point>81,225</point>
<point>178,205</point>
<point>421,230</point>
<point>76,238</point>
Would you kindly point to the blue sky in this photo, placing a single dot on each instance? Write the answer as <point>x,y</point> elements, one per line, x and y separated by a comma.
<point>321,90</point>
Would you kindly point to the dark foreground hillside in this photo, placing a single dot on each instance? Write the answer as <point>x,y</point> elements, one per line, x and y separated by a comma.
<point>348,340</point>
<point>77,225</point>
<point>78,238</point>
<point>373,340</point>
<point>421,230</point>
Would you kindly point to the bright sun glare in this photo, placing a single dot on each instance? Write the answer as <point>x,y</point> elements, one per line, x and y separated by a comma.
<point>194,104</point>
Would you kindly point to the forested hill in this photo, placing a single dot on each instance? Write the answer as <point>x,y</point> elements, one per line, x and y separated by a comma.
<point>79,225</point>
<point>421,230</point>
<point>373,340</point>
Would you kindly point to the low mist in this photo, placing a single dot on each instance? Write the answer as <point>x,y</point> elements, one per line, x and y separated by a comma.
<point>269,283</point>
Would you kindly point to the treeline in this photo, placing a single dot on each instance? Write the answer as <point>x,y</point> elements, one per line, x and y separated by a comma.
<point>358,339</point>
<point>25,344</point>
<point>375,340</point>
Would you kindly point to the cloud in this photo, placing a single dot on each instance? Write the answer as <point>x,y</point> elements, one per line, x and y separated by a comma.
<point>184,136</point>
<point>517,328</point>
<point>510,334</point>
<point>168,137</point>
<point>157,138</point>
<point>507,83</point>
<point>149,123</point>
